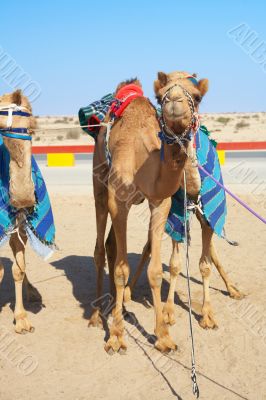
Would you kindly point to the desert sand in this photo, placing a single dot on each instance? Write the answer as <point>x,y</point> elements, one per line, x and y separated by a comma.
<point>229,127</point>
<point>66,359</point>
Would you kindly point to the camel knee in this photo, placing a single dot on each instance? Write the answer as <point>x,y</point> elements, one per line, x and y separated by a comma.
<point>18,272</point>
<point>121,274</point>
<point>205,268</point>
<point>155,278</point>
<point>175,267</point>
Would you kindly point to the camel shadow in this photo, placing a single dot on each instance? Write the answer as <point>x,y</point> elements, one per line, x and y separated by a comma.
<point>224,292</point>
<point>81,273</point>
<point>7,291</point>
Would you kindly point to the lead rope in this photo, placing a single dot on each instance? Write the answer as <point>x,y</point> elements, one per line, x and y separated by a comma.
<point>195,387</point>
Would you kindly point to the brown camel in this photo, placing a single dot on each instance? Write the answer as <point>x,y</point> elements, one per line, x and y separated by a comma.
<point>22,195</point>
<point>208,256</point>
<point>138,172</point>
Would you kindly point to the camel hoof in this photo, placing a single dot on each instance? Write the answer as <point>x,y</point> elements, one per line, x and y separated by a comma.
<point>127,294</point>
<point>115,345</point>
<point>208,322</point>
<point>96,320</point>
<point>165,345</point>
<point>168,314</point>
<point>110,352</point>
<point>23,326</point>
<point>234,293</point>
<point>122,351</point>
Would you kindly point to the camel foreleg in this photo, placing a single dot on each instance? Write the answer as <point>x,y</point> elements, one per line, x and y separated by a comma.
<point>22,324</point>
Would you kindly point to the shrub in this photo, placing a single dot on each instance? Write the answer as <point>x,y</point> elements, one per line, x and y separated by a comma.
<point>59,137</point>
<point>241,124</point>
<point>223,120</point>
<point>37,139</point>
<point>73,134</point>
<point>255,116</point>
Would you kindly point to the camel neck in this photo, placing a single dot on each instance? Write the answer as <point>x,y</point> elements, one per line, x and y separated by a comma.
<point>171,171</point>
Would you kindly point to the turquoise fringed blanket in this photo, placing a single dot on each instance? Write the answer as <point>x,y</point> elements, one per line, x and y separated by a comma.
<point>212,196</point>
<point>39,224</point>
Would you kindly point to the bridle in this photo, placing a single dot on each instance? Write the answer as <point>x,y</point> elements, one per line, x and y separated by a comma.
<point>167,134</point>
<point>15,133</point>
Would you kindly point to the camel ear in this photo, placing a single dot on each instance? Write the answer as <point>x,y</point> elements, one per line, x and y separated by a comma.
<point>17,97</point>
<point>162,78</point>
<point>160,83</point>
<point>203,86</point>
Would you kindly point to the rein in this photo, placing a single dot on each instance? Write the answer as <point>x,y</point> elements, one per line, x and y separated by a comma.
<point>14,133</point>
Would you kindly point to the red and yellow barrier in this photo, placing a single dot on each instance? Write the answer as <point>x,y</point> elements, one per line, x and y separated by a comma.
<point>64,156</point>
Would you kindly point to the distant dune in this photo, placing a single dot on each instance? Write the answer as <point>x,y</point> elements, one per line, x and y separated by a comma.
<point>229,127</point>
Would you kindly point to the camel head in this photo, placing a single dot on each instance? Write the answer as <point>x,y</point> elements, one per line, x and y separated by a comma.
<point>16,127</point>
<point>179,94</point>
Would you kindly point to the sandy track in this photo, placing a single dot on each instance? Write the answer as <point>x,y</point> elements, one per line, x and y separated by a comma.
<point>72,364</point>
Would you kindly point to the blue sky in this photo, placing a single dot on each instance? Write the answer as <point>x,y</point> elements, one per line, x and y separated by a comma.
<point>79,50</point>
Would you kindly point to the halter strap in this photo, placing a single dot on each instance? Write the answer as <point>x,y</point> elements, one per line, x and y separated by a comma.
<point>167,135</point>
<point>14,133</point>
<point>20,113</point>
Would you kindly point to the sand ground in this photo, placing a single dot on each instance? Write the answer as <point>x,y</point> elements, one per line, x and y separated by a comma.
<point>64,359</point>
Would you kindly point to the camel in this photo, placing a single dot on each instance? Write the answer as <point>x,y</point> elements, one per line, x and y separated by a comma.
<point>138,172</point>
<point>21,195</point>
<point>208,256</point>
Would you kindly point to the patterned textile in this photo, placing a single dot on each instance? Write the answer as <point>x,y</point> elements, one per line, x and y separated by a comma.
<point>94,114</point>
<point>175,226</point>
<point>212,196</point>
<point>39,225</point>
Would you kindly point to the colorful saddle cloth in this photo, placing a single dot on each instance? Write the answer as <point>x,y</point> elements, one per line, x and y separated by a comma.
<point>95,113</point>
<point>39,224</point>
<point>212,196</point>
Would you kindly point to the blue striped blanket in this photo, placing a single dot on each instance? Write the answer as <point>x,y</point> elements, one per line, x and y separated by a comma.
<point>39,224</point>
<point>212,196</point>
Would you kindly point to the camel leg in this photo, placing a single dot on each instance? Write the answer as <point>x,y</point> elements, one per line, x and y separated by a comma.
<point>144,258</point>
<point>119,214</point>
<point>101,208</point>
<point>207,321</point>
<point>175,269</point>
<point>110,247</point>
<point>23,325</point>
<point>159,213</point>
<point>232,290</point>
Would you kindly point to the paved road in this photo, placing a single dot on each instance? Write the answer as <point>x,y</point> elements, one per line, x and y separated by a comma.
<point>245,171</point>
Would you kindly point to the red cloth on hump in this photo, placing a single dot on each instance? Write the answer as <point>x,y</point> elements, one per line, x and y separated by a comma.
<point>126,94</point>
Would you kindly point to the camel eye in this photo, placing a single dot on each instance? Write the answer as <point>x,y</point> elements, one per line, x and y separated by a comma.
<point>198,98</point>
